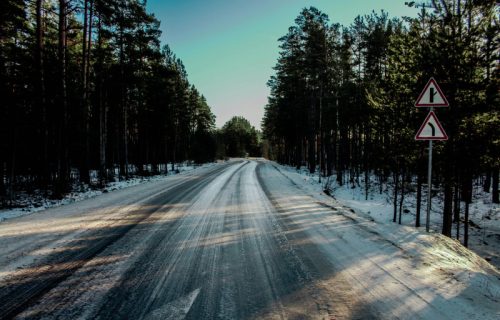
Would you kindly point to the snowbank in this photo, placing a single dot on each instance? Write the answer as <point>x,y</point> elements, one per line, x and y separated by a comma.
<point>484,229</point>
<point>37,201</point>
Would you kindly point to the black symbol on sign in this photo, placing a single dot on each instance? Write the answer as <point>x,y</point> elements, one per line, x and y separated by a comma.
<point>432,94</point>
<point>432,128</point>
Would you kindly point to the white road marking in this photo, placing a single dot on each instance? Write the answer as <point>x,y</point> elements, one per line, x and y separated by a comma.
<point>177,309</point>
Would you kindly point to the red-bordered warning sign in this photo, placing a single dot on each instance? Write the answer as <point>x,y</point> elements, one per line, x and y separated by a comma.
<point>431,129</point>
<point>432,96</point>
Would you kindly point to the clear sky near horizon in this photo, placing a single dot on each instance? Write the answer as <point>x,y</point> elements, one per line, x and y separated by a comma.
<point>229,47</point>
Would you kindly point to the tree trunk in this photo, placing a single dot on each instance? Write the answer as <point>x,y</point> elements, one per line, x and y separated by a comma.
<point>12,167</point>
<point>3,164</point>
<point>487,181</point>
<point>330,145</point>
<point>367,144</point>
<point>420,181</point>
<point>124,137</point>
<point>495,195</point>
<point>174,148</point>
<point>312,137</point>
<point>44,136</point>
<point>456,209</point>
<point>102,106</point>
<point>311,156</point>
<point>401,200</point>
<point>396,186</point>
<point>298,153</point>
<point>89,41</point>
<point>466,225</point>
<point>102,142</point>
<point>166,155</point>
<point>85,70</point>
<point>456,212</point>
<point>341,156</point>
<point>447,210</point>
<point>367,183</point>
<point>84,160</point>
<point>62,161</point>
<point>321,137</point>
<point>467,197</point>
<point>419,198</point>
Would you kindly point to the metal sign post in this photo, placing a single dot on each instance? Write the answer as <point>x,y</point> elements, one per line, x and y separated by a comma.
<point>431,130</point>
<point>429,185</point>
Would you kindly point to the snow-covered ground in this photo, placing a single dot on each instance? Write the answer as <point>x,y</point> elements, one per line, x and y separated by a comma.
<point>26,204</point>
<point>484,216</point>
<point>244,240</point>
<point>399,271</point>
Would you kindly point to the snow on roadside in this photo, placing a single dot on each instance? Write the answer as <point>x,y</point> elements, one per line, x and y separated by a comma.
<point>36,202</point>
<point>401,271</point>
<point>484,231</point>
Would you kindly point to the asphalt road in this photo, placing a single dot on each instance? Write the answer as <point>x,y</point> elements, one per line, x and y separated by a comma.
<point>233,241</point>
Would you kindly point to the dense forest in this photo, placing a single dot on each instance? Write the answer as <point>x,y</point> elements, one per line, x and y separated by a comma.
<point>343,98</point>
<point>88,95</point>
<point>238,138</point>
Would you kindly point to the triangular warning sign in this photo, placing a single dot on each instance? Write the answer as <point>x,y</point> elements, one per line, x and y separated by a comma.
<point>432,96</point>
<point>431,129</point>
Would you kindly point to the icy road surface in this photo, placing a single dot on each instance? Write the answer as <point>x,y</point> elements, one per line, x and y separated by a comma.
<point>240,240</point>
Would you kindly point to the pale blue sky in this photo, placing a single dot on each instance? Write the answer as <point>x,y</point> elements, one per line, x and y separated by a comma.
<point>229,47</point>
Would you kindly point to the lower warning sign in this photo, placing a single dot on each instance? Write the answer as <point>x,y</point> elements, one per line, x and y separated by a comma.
<point>431,129</point>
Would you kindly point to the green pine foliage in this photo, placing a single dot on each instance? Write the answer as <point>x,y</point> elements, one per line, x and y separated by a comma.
<point>342,99</point>
<point>86,86</point>
<point>240,139</point>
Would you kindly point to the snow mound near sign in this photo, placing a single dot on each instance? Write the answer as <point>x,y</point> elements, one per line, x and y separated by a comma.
<point>433,258</point>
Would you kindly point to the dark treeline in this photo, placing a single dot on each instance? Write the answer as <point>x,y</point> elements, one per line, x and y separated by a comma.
<point>342,99</point>
<point>238,138</point>
<point>84,85</point>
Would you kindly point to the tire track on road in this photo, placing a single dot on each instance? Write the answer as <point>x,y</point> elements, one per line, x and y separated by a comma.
<point>161,259</point>
<point>311,261</point>
<point>20,292</point>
